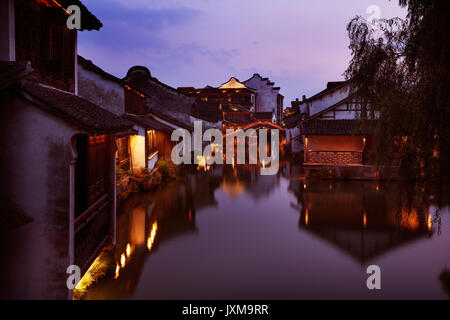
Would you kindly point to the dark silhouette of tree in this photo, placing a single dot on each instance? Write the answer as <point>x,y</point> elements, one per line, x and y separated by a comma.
<point>399,71</point>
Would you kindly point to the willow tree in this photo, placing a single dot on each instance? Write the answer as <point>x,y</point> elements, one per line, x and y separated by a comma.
<point>399,72</point>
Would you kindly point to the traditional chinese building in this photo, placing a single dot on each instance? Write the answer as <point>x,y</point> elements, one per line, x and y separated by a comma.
<point>58,152</point>
<point>236,103</point>
<point>269,101</point>
<point>135,151</point>
<point>232,103</point>
<point>150,101</point>
<point>326,127</point>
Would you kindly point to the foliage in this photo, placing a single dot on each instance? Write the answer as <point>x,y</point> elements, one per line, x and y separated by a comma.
<point>102,266</point>
<point>156,179</point>
<point>145,170</point>
<point>401,73</point>
<point>120,173</point>
<point>167,169</point>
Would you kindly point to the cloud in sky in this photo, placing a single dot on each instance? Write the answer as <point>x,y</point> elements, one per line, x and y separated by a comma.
<point>299,44</point>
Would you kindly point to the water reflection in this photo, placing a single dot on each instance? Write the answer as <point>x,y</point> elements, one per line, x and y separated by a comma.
<point>229,232</point>
<point>360,218</point>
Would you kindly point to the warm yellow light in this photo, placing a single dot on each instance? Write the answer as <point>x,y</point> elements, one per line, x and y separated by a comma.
<point>364,140</point>
<point>364,219</point>
<point>98,268</point>
<point>304,186</point>
<point>151,238</point>
<point>128,251</point>
<point>378,188</point>
<point>306,217</point>
<point>116,274</point>
<point>429,222</point>
<point>201,162</point>
<point>122,260</point>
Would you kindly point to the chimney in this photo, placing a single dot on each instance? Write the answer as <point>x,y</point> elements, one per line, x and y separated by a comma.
<point>303,98</point>
<point>296,105</point>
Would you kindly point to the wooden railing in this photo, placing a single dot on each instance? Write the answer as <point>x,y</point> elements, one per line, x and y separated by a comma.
<point>91,232</point>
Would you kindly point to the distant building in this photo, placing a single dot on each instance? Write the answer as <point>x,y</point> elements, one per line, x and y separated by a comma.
<point>268,97</point>
<point>137,151</point>
<point>162,102</point>
<point>232,103</point>
<point>237,103</point>
<point>327,127</point>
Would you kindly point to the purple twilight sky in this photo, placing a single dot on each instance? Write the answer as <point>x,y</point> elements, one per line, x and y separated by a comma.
<point>298,44</point>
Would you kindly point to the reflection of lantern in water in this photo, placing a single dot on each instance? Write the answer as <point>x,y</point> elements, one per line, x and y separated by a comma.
<point>429,222</point>
<point>364,219</point>
<point>116,275</point>
<point>128,251</point>
<point>201,163</point>
<point>151,238</point>
<point>306,217</point>
<point>122,260</point>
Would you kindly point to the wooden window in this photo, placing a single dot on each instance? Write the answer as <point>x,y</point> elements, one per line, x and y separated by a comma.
<point>43,38</point>
<point>151,142</point>
<point>98,169</point>
<point>92,171</point>
<point>123,155</point>
<point>92,198</point>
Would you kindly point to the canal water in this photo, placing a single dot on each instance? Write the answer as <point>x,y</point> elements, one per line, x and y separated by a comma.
<point>231,233</point>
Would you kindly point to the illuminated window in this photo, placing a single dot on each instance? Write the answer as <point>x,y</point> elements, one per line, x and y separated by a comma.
<point>151,145</point>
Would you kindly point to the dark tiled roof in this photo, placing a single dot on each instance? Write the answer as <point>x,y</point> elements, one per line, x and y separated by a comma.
<point>89,65</point>
<point>292,120</point>
<point>88,20</point>
<point>238,121</point>
<point>332,85</point>
<point>234,108</point>
<point>148,122</point>
<point>207,111</point>
<point>183,123</point>
<point>79,111</point>
<point>211,116</point>
<point>336,127</point>
<point>13,71</point>
<point>262,115</point>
